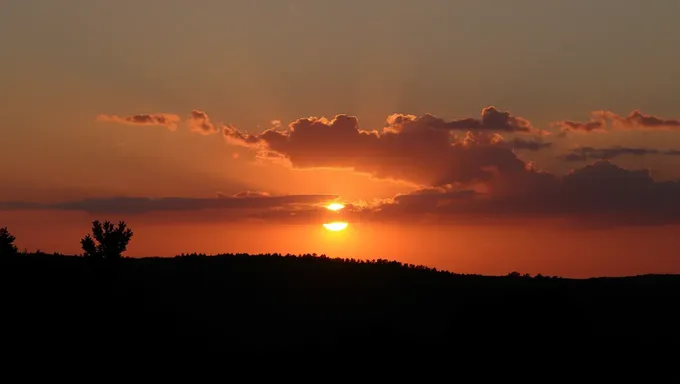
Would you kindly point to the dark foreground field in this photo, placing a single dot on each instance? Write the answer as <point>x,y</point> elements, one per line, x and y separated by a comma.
<point>285,300</point>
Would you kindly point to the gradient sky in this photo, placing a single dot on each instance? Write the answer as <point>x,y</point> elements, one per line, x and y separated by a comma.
<point>72,72</point>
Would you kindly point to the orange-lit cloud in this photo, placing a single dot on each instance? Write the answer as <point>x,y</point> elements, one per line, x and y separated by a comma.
<point>200,122</point>
<point>477,174</point>
<point>600,121</point>
<point>246,194</point>
<point>167,120</point>
<point>422,151</point>
<point>491,120</point>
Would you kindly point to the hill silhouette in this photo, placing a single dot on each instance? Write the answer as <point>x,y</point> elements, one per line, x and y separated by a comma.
<point>287,300</point>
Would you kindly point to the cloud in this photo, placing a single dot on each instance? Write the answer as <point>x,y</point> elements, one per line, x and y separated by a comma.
<point>469,176</point>
<point>601,121</point>
<point>578,126</point>
<point>242,205</point>
<point>167,120</point>
<point>424,151</point>
<point>246,194</point>
<point>600,193</point>
<point>529,145</point>
<point>491,120</point>
<point>637,119</point>
<point>597,193</point>
<point>200,122</point>
<point>590,153</point>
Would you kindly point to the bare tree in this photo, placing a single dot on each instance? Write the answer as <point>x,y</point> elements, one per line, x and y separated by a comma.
<point>111,241</point>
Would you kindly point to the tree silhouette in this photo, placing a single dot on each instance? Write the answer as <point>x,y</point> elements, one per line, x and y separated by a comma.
<point>112,240</point>
<point>7,246</point>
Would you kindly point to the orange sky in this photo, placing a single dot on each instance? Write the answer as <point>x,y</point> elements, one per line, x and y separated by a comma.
<point>456,137</point>
<point>529,247</point>
<point>458,194</point>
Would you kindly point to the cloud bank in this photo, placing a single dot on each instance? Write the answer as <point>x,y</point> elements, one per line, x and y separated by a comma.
<point>425,151</point>
<point>248,205</point>
<point>465,168</point>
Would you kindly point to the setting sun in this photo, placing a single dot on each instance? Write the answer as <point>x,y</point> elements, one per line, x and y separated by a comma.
<point>336,226</point>
<point>335,206</point>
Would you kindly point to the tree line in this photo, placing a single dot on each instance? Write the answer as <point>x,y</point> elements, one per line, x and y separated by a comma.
<point>106,242</point>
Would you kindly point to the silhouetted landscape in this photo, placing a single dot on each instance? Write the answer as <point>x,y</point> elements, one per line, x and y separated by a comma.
<point>287,300</point>
<point>490,177</point>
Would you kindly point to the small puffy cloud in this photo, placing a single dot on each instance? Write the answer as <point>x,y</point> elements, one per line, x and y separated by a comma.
<point>200,122</point>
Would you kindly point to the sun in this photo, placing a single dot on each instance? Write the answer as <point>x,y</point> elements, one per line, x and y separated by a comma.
<point>335,206</point>
<point>336,226</point>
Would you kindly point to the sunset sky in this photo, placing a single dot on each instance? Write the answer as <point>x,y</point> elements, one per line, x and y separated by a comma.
<point>478,136</point>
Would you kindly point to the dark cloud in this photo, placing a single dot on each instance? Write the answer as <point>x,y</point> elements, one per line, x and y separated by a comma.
<point>167,120</point>
<point>637,119</point>
<point>142,205</point>
<point>474,175</point>
<point>423,151</point>
<point>596,123</point>
<point>603,120</point>
<point>529,145</point>
<point>591,153</point>
<point>491,120</point>
<point>598,192</point>
<point>200,122</point>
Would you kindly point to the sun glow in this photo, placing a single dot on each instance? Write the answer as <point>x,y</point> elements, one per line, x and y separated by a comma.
<point>335,206</point>
<point>336,226</point>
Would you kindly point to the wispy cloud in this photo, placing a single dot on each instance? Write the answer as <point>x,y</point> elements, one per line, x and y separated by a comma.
<point>602,121</point>
<point>140,205</point>
<point>167,120</point>
<point>590,153</point>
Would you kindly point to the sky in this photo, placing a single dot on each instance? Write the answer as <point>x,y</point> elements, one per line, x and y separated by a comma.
<point>487,136</point>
